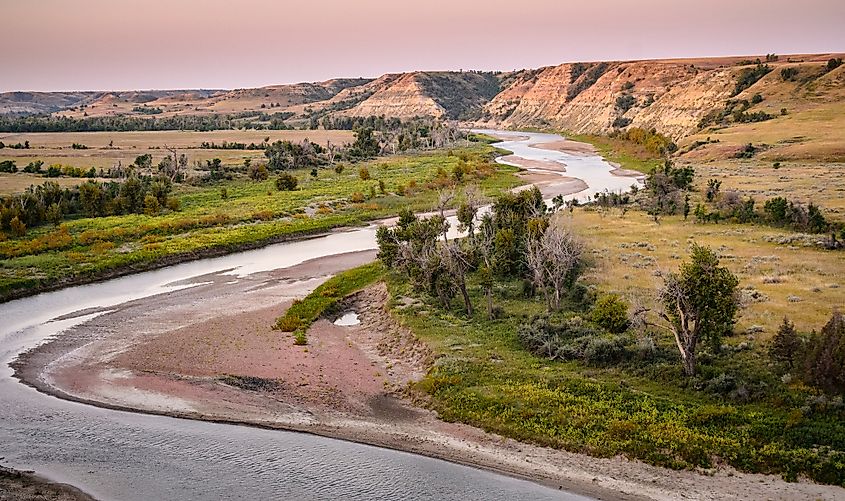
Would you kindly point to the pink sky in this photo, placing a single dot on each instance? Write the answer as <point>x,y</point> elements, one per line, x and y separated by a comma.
<point>129,44</point>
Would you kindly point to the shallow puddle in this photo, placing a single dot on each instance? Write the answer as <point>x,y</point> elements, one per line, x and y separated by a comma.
<point>348,319</point>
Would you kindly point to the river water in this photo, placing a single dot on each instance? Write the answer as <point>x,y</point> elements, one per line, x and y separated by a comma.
<point>128,456</point>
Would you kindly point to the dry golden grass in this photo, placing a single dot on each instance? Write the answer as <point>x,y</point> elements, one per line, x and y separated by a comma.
<point>629,251</point>
<point>15,183</point>
<point>179,139</point>
<point>811,130</point>
<point>55,147</point>
<point>820,183</point>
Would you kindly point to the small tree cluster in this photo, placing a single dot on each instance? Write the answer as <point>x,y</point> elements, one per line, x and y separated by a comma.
<point>51,203</point>
<point>665,188</point>
<point>819,358</point>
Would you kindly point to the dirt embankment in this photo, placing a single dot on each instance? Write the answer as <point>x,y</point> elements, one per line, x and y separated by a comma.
<point>209,353</point>
<point>25,486</point>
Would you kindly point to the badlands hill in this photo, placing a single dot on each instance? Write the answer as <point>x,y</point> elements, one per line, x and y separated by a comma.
<point>682,98</point>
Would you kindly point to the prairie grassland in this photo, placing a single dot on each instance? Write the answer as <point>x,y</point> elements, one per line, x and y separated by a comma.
<point>805,181</point>
<point>174,138</point>
<point>803,283</point>
<point>18,182</point>
<point>252,213</point>
<point>809,135</point>
<point>55,147</point>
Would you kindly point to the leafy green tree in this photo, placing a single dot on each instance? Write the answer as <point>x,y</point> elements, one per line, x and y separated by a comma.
<point>144,161</point>
<point>699,303</point>
<point>132,195</point>
<point>365,145</point>
<point>91,198</point>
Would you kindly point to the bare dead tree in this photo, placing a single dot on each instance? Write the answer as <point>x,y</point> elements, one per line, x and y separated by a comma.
<point>176,164</point>
<point>484,243</point>
<point>554,258</point>
<point>331,148</point>
<point>444,200</point>
<point>456,261</point>
<point>468,211</point>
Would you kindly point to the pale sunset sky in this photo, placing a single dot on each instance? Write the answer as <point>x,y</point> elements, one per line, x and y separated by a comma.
<point>167,44</point>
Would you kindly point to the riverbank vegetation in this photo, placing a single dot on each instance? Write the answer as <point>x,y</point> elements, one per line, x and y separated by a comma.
<point>568,354</point>
<point>233,212</point>
<point>323,301</point>
<point>636,149</point>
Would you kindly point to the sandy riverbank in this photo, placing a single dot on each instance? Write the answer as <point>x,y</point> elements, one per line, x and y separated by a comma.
<point>26,486</point>
<point>208,352</point>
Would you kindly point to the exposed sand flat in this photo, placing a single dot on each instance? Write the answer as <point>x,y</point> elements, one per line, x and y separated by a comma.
<point>568,146</point>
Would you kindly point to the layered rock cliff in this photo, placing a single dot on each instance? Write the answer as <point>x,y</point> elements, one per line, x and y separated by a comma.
<point>672,96</point>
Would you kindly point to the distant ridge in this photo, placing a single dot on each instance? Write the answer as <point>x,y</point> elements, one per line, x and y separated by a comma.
<point>673,96</point>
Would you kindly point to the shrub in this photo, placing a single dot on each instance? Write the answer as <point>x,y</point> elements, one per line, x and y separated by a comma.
<point>8,166</point>
<point>747,151</point>
<point>611,313</point>
<point>603,350</point>
<point>18,227</point>
<point>288,323</point>
<point>357,197</point>
<point>625,102</point>
<point>364,173</point>
<point>338,168</point>
<point>151,205</point>
<point>286,182</point>
<point>621,122</point>
<point>757,98</point>
<point>834,63</point>
<point>788,74</point>
<point>224,193</point>
<point>750,76</point>
<point>258,172</point>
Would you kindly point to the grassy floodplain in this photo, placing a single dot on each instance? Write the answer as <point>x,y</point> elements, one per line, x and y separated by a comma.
<point>252,214</point>
<point>738,411</point>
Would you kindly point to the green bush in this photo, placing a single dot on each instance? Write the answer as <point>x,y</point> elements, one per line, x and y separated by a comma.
<point>611,312</point>
<point>286,182</point>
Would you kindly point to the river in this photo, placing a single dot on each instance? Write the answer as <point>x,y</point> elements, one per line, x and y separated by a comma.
<point>128,456</point>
